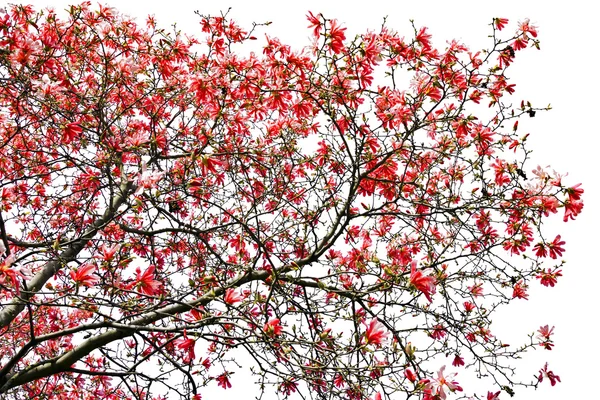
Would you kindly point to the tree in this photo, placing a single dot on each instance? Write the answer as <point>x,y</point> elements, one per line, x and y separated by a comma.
<point>169,204</point>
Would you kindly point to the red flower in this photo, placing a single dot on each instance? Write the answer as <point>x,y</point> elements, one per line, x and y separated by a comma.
<point>209,165</point>
<point>458,361</point>
<point>273,327</point>
<point>223,380</point>
<point>187,345</point>
<point>10,273</point>
<point>146,283</point>
<point>526,28</point>
<point>544,335</point>
<point>315,24</point>
<point>476,290</point>
<point>288,387</point>
<point>375,333</point>
<point>469,306</point>
<point>232,297</point>
<point>520,291</point>
<point>572,209</point>
<point>548,278</point>
<point>410,375</point>
<point>108,253</point>
<point>337,37</point>
<point>437,385</point>
<point>339,381</point>
<point>493,396</point>
<point>84,275</point>
<point>438,332</point>
<point>575,192</point>
<point>548,374</point>
<point>71,132</point>
<point>424,39</point>
<point>555,248</point>
<point>540,250</point>
<point>500,23</point>
<point>422,282</point>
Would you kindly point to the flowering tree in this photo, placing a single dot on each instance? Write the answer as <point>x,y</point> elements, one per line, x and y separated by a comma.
<point>346,217</point>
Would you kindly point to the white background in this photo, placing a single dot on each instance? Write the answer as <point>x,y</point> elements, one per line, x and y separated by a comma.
<point>564,73</point>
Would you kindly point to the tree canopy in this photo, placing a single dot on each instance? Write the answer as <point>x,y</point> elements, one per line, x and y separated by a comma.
<point>345,218</point>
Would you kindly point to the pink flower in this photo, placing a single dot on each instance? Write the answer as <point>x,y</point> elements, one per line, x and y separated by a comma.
<point>232,297</point>
<point>273,327</point>
<point>469,306</point>
<point>549,278</point>
<point>476,290</point>
<point>575,192</point>
<point>148,179</point>
<point>526,28</point>
<point>493,396</point>
<point>540,250</point>
<point>520,291</point>
<point>108,253</point>
<point>438,332</point>
<point>410,375</point>
<point>572,209</point>
<point>11,273</point>
<point>223,380</point>
<point>437,385</point>
<point>71,131</point>
<point>337,36</point>
<point>84,275</point>
<point>146,283</point>
<point>544,335</point>
<point>187,345</point>
<point>555,248</point>
<point>458,361</point>
<point>315,24</point>
<point>548,374</point>
<point>375,333</point>
<point>500,23</point>
<point>423,283</point>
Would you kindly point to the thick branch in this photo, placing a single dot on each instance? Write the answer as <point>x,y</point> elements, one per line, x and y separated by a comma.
<point>65,362</point>
<point>10,312</point>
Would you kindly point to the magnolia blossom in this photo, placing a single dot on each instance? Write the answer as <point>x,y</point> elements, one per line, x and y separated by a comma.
<point>423,283</point>
<point>85,276</point>
<point>148,179</point>
<point>138,139</point>
<point>232,296</point>
<point>45,86</point>
<point>375,333</point>
<point>493,396</point>
<point>552,377</point>
<point>187,345</point>
<point>71,132</point>
<point>436,386</point>
<point>223,380</point>
<point>108,253</point>
<point>145,281</point>
<point>544,336</point>
<point>410,375</point>
<point>12,274</point>
<point>273,327</point>
<point>458,361</point>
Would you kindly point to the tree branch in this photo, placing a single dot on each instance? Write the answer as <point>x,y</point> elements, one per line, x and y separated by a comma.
<point>10,312</point>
